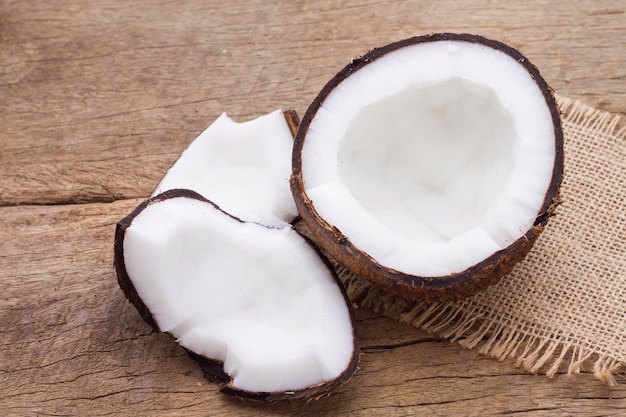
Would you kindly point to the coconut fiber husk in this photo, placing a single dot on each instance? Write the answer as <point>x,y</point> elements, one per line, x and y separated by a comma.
<point>564,306</point>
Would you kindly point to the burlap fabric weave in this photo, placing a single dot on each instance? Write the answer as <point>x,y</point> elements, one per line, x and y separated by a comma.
<point>564,306</point>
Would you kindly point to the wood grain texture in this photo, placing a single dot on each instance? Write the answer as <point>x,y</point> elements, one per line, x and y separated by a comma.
<point>73,345</point>
<point>98,98</point>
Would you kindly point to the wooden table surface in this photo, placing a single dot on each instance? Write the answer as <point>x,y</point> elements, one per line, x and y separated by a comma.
<point>98,98</point>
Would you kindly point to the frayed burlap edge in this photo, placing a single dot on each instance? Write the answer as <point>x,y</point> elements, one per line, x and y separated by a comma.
<point>546,354</point>
<point>471,331</point>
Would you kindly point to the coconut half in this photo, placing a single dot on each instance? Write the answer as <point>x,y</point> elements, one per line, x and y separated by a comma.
<point>258,307</point>
<point>429,166</point>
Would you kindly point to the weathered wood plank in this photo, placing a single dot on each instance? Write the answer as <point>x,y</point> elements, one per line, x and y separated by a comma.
<point>99,98</point>
<point>72,345</point>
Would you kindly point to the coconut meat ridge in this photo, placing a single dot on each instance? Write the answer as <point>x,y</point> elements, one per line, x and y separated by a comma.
<point>258,299</point>
<point>432,157</point>
<point>243,167</point>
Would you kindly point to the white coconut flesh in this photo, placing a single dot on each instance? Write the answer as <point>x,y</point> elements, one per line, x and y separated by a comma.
<point>258,299</point>
<point>432,157</point>
<point>242,167</point>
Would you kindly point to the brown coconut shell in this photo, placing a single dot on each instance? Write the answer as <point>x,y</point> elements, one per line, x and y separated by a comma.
<point>412,287</point>
<point>213,369</point>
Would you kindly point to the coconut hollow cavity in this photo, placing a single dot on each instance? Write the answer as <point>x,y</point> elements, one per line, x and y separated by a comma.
<point>429,166</point>
<point>259,308</point>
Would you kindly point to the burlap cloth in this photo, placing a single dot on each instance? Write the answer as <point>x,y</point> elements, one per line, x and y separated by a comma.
<point>564,306</point>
